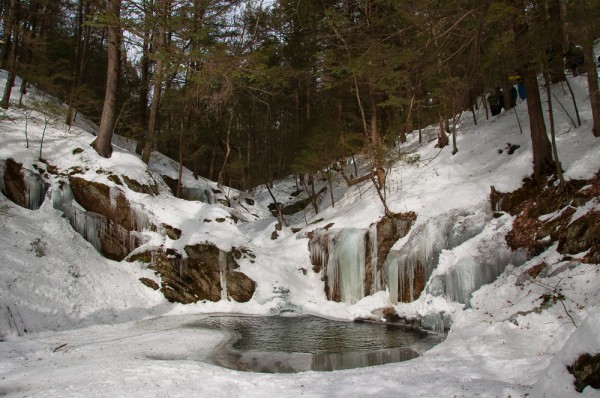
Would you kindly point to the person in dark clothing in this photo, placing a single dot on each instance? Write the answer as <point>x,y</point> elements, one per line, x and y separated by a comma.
<point>496,101</point>
<point>574,59</point>
<point>521,89</point>
<point>513,96</point>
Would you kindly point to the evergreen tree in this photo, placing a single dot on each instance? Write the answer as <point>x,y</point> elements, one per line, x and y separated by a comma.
<point>103,143</point>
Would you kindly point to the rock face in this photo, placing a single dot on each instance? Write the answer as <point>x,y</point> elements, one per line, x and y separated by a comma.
<point>108,220</point>
<point>105,217</point>
<point>206,274</point>
<point>108,202</point>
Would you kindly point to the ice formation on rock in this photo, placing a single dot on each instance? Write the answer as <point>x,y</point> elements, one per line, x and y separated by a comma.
<point>223,273</point>
<point>408,268</point>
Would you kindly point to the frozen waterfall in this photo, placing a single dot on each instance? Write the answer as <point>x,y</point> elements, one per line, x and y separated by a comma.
<point>453,255</point>
<point>407,270</point>
<point>474,263</point>
<point>342,256</point>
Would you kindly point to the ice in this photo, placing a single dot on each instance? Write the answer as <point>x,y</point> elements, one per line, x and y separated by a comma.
<point>92,226</point>
<point>114,195</point>
<point>223,273</point>
<point>139,217</point>
<point>376,284</point>
<point>420,253</point>
<point>35,189</point>
<point>346,264</point>
<point>318,248</point>
<point>476,262</point>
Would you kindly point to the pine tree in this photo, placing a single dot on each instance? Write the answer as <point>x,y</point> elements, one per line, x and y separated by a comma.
<point>103,143</point>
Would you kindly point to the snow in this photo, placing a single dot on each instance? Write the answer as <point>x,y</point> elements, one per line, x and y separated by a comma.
<point>73,323</point>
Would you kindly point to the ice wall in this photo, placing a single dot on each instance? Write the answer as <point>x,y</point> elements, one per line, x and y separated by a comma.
<point>476,262</point>
<point>341,254</point>
<point>452,255</point>
<point>408,268</point>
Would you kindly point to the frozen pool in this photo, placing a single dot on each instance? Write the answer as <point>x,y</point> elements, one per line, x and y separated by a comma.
<point>286,344</point>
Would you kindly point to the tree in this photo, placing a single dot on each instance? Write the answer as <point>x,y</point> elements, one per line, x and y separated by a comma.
<point>586,12</point>
<point>553,31</point>
<point>164,9</point>
<point>12,39</point>
<point>542,153</point>
<point>103,143</point>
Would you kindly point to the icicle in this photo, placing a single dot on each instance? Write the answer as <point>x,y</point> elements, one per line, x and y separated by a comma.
<point>390,268</point>
<point>318,249</point>
<point>138,217</point>
<point>375,276</point>
<point>223,269</point>
<point>35,189</point>
<point>89,225</point>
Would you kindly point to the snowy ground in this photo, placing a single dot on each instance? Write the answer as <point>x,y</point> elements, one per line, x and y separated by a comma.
<point>94,330</point>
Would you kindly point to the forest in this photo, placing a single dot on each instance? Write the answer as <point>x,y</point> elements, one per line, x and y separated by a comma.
<point>245,92</point>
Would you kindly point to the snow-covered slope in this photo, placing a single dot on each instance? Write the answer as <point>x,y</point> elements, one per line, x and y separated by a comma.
<point>54,283</point>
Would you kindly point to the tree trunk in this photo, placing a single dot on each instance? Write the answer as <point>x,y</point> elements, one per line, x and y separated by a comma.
<point>76,65</point>
<point>144,68</point>
<point>556,67</point>
<point>157,85</point>
<point>103,143</point>
<point>180,169</point>
<point>506,94</point>
<point>557,165</point>
<point>592,78</point>
<point>542,153</point>
<point>375,137</point>
<point>11,60</point>
<point>10,23</point>
<point>227,153</point>
<point>442,137</point>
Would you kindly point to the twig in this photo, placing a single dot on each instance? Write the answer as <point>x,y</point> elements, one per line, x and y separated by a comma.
<point>59,347</point>
<point>563,108</point>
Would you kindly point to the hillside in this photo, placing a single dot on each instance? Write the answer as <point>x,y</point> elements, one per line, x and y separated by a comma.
<point>519,302</point>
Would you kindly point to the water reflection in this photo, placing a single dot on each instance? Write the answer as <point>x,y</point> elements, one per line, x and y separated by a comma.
<point>302,343</point>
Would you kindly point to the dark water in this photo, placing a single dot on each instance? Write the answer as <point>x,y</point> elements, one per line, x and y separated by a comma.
<point>302,343</point>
